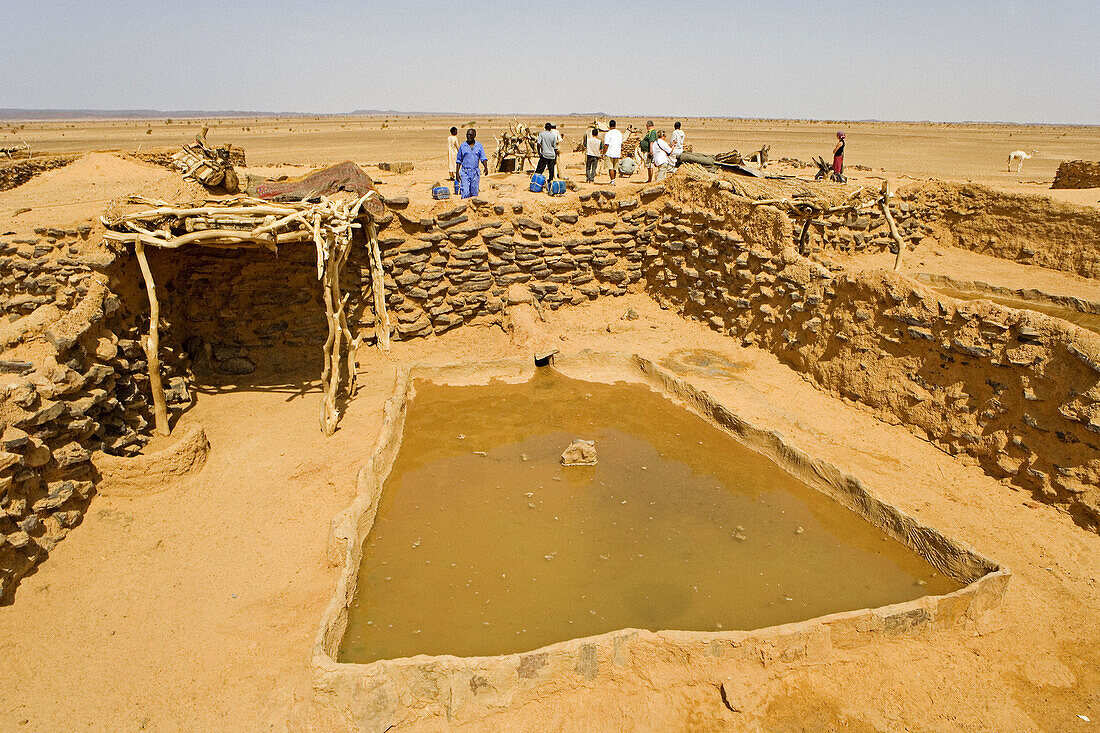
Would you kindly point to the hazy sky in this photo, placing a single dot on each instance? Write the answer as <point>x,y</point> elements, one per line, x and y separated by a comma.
<point>1009,60</point>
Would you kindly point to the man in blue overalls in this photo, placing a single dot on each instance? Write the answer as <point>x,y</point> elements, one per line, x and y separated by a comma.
<point>470,153</point>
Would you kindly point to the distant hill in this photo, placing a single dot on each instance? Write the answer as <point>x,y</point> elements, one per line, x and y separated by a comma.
<point>91,114</point>
<point>11,114</point>
<point>152,114</point>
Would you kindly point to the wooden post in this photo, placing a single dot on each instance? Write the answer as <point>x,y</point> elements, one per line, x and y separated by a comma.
<point>890,221</point>
<point>378,286</point>
<point>151,344</point>
<point>330,377</point>
<point>802,239</point>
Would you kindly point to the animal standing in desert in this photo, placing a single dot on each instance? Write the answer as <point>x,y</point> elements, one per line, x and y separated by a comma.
<point>1018,157</point>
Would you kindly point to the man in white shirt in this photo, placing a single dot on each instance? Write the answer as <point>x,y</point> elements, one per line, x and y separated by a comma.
<point>592,155</point>
<point>660,151</point>
<point>677,142</point>
<point>613,149</point>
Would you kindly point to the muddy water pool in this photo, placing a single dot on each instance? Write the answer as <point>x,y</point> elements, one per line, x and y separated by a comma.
<point>484,544</point>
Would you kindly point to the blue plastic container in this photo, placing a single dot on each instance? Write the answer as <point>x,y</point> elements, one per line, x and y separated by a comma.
<point>538,183</point>
<point>441,192</point>
<point>557,188</point>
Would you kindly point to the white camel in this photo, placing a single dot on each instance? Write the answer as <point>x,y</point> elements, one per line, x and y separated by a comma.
<point>1018,157</point>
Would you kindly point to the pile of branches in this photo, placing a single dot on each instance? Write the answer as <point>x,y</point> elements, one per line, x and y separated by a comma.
<point>518,142</point>
<point>13,150</point>
<point>734,158</point>
<point>212,167</point>
<point>247,222</point>
<point>236,221</point>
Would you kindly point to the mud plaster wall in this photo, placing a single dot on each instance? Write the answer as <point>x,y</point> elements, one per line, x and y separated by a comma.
<point>1016,390</point>
<point>1031,229</point>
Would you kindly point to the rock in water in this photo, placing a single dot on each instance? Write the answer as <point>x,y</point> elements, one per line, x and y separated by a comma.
<point>579,453</point>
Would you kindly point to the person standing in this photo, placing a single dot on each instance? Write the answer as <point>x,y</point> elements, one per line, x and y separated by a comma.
<point>613,149</point>
<point>644,146</point>
<point>592,156</point>
<point>659,153</point>
<point>677,142</point>
<point>452,152</point>
<point>548,151</point>
<point>838,158</point>
<point>470,153</point>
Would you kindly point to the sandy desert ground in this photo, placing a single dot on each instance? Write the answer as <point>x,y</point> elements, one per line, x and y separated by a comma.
<point>962,152</point>
<point>193,603</point>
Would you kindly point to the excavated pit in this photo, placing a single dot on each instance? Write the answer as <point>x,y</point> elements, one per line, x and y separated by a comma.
<point>472,558</point>
<point>1013,389</point>
<point>484,543</point>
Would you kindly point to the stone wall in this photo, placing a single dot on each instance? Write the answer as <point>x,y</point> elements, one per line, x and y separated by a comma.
<point>43,269</point>
<point>868,232</point>
<point>76,385</point>
<point>1016,390</point>
<point>455,266</point>
<point>240,311</point>
<point>1077,174</point>
<point>17,172</point>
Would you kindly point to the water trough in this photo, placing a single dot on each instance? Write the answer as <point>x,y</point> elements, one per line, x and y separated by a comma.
<point>355,684</point>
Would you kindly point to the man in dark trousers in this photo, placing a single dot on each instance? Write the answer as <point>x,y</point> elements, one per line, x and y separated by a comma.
<point>548,151</point>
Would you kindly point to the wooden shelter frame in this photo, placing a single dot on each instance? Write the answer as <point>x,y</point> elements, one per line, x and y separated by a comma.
<point>243,222</point>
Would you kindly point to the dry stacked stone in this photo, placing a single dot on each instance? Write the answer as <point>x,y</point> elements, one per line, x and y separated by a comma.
<point>87,395</point>
<point>43,268</point>
<point>1077,174</point>
<point>1015,389</point>
<point>19,171</point>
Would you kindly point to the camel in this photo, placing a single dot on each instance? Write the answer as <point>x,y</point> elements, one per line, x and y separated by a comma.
<point>1018,157</point>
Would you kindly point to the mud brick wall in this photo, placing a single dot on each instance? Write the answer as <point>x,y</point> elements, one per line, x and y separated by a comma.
<point>1034,230</point>
<point>1015,390</point>
<point>84,389</point>
<point>453,266</point>
<point>1077,174</point>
